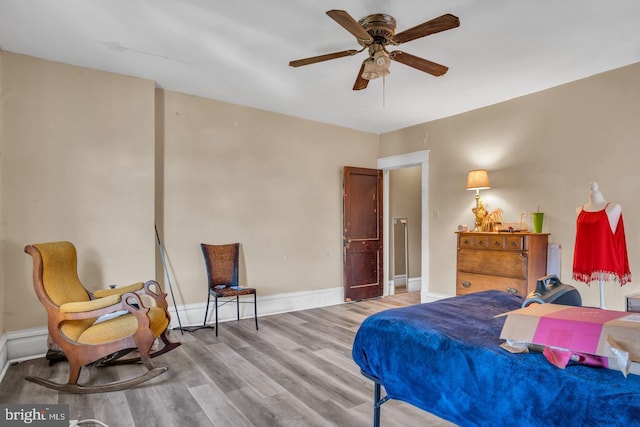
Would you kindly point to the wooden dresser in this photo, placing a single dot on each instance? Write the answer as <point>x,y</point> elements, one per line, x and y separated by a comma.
<point>511,262</point>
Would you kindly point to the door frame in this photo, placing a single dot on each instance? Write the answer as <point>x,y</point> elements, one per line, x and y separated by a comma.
<point>416,158</point>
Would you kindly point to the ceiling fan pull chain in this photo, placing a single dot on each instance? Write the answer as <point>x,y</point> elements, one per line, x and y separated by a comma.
<point>384,92</point>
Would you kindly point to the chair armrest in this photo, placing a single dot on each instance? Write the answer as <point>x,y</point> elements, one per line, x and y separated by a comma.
<point>153,289</point>
<point>101,293</point>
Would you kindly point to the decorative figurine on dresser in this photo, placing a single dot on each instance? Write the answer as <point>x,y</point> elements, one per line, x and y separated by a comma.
<point>506,261</point>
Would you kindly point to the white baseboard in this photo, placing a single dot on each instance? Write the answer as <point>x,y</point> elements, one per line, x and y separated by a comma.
<point>32,343</point>
<point>414,285</point>
<point>4,358</point>
<point>22,345</point>
<point>193,314</point>
<point>399,280</point>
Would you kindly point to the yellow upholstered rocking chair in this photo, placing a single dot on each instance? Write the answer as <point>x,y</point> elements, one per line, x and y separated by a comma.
<point>74,327</point>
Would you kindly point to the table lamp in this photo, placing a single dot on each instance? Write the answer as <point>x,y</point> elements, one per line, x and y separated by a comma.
<point>478,179</point>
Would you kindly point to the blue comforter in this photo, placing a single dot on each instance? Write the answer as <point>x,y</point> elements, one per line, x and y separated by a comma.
<point>444,357</point>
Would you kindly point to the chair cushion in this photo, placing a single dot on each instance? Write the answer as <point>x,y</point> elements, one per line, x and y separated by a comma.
<point>94,304</point>
<point>122,327</point>
<point>60,277</point>
<point>72,329</point>
<point>231,292</point>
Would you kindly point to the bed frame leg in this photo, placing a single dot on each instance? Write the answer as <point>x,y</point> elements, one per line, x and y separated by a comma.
<point>377,402</point>
<point>376,407</point>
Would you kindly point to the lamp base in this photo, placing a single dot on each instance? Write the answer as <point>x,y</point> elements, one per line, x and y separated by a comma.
<point>476,212</point>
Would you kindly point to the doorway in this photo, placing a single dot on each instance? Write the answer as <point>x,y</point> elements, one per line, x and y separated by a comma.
<point>405,224</point>
<point>387,164</point>
<point>400,254</point>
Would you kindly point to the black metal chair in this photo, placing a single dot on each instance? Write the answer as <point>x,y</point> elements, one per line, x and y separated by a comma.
<point>222,263</point>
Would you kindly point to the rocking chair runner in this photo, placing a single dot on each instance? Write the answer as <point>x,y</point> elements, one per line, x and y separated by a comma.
<point>73,323</point>
<point>222,263</point>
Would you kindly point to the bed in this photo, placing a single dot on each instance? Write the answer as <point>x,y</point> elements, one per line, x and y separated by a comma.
<point>444,357</point>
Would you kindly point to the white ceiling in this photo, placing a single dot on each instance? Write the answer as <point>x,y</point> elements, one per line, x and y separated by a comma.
<point>238,50</point>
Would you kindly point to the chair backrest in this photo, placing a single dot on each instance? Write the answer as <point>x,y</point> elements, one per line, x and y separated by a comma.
<point>55,272</point>
<point>222,263</point>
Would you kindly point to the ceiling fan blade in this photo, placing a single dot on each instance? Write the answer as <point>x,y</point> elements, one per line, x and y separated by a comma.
<point>418,63</point>
<point>442,23</point>
<point>360,83</point>
<point>320,58</point>
<point>350,24</point>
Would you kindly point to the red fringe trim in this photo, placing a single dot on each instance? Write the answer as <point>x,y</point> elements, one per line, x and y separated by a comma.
<point>608,276</point>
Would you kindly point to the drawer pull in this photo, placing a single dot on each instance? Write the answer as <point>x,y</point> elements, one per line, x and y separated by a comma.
<point>466,242</point>
<point>465,284</point>
<point>497,243</point>
<point>481,243</point>
<point>512,290</point>
<point>514,244</point>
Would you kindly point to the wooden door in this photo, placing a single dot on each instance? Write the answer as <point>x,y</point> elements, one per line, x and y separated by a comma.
<point>362,228</point>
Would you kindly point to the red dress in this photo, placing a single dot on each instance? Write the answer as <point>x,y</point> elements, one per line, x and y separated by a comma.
<point>598,250</point>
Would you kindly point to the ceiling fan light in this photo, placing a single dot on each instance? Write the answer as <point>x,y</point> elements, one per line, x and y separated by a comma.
<point>382,59</point>
<point>374,75</point>
<point>372,70</point>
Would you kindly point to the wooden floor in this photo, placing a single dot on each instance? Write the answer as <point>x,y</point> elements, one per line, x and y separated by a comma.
<point>295,371</point>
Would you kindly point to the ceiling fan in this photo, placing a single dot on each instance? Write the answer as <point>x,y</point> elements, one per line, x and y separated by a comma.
<point>376,32</point>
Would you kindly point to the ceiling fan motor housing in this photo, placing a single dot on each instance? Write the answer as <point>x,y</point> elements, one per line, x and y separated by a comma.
<point>380,26</point>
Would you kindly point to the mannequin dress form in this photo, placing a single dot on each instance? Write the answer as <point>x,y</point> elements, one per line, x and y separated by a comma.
<point>600,250</point>
<point>597,203</point>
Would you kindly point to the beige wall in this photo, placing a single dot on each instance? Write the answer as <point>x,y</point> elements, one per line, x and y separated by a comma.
<point>542,149</point>
<point>268,181</point>
<point>98,158</point>
<point>77,164</point>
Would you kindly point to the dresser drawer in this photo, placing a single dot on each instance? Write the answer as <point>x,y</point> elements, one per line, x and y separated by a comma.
<point>474,242</point>
<point>513,264</point>
<point>469,282</point>
<point>495,242</point>
<point>506,242</point>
